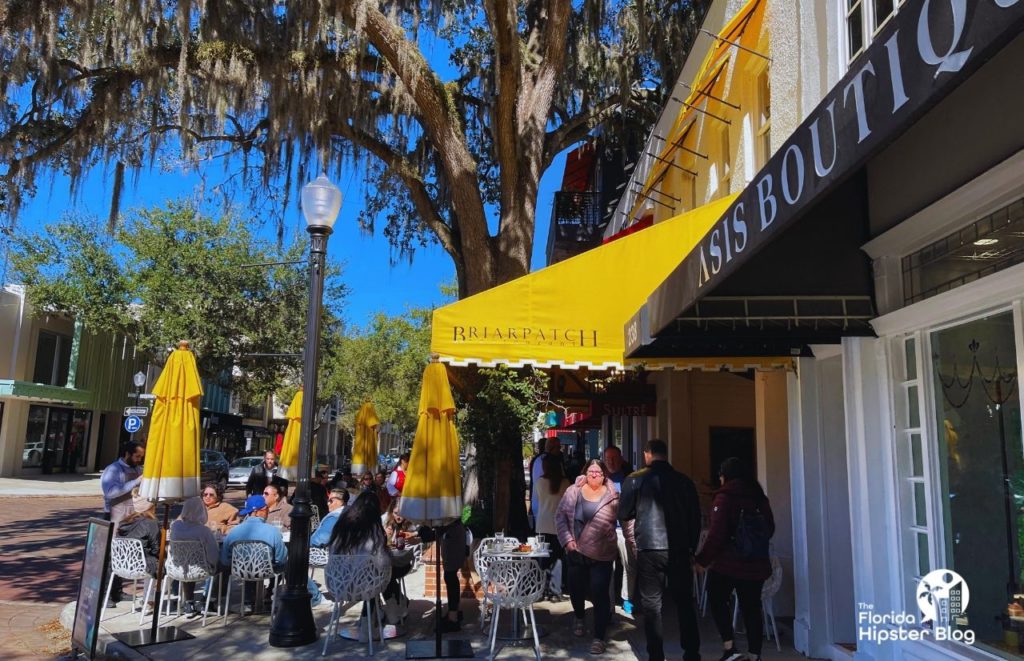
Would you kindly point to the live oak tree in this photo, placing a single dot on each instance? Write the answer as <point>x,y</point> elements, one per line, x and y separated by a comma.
<point>452,109</point>
<point>171,273</point>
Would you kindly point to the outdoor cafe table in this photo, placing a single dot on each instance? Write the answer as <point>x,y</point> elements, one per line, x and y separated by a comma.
<point>495,553</point>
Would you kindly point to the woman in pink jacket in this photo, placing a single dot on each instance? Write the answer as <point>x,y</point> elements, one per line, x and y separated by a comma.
<point>586,529</point>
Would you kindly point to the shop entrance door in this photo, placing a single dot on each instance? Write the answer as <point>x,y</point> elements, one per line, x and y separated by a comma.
<point>57,429</point>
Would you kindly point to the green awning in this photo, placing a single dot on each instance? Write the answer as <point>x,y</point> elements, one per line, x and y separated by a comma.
<point>43,393</point>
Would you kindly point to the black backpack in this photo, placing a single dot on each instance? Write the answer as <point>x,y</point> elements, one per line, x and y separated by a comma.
<point>752,534</point>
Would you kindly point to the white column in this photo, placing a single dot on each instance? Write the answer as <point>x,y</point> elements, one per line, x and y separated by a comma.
<point>874,534</point>
<point>772,432</point>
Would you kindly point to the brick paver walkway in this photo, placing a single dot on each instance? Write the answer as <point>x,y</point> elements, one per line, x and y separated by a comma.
<point>40,560</point>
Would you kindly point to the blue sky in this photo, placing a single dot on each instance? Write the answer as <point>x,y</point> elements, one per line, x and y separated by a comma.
<point>375,284</point>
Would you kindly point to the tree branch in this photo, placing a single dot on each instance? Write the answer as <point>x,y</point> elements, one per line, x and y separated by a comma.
<point>503,19</point>
<point>576,128</point>
<point>406,170</point>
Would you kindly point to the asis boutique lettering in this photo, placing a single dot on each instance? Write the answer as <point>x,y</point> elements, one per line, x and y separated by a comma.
<point>896,76</point>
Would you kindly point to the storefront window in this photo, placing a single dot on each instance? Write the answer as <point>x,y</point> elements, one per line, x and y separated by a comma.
<point>982,472</point>
<point>35,435</point>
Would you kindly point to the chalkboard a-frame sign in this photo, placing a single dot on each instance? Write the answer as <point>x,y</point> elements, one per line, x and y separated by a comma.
<point>91,588</point>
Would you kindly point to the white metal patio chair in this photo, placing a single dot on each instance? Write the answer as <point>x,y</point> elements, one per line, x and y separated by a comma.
<point>482,564</point>
<point>518,585</point>
<point>128,560</point>
<point>251,561</point>
<point>186,563</point>
<point>355,578</point>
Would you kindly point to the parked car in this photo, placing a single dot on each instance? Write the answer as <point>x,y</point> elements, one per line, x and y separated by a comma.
<point>238,473</point>
<point>32,455</point>
<point>214,467</point>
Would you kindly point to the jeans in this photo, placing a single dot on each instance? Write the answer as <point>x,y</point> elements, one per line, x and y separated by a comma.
<point>655,570</point>
<point>748,592</point>
<point>625,571</point>
<point>591,577</point>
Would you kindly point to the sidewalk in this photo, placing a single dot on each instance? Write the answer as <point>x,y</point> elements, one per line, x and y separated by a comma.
<point>61,484</point>
<point>248,636</point>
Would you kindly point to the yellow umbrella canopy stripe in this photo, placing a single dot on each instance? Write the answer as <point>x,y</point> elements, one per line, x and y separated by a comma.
<point>171,471</point>
<point>290,445</point>
<point>433,484</point>
<point>364,450</point>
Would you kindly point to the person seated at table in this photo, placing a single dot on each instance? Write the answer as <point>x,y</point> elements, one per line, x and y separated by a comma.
<point>359,532</point>
<point>192,526</point>
<point>380,480</point>
<point>396,526</point>
<point>279,511</point>
<point>318,493</point>
<point>254,528</point>
<point>141,524</point>
<point>336,502</point>
<point>220,516</point>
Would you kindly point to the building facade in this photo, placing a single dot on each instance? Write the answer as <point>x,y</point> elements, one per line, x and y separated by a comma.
<point>62,391</point>
<point>875,238</point>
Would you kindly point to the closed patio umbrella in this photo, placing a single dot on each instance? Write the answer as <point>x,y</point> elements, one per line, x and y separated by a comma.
<point>171,472</point>
<point>364,450</point>
<point>290,446</point>
<point>432,494</point>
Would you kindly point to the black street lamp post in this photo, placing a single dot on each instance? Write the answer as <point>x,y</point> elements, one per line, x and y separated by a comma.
<point>294,625</point>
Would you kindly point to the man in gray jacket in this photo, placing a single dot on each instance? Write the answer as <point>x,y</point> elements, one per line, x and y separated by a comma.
<point>660,514</point>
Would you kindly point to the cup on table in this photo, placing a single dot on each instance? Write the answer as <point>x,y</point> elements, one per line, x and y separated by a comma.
<point>500,536</point>
<point>532,541</point>
<point>540,538</point>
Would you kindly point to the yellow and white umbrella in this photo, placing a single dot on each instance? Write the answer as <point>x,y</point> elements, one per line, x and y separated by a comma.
<point>290,445</point>
<point>171,471</point>
<point>364,449</point>
<point>433,482</point>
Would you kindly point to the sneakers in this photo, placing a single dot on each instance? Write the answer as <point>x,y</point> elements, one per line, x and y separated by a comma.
<point>597,647</point>
<point>390,631</point>
<point>449,626</point>
<point>732,655</point>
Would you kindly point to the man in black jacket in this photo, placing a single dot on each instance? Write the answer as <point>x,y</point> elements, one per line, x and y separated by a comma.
<point>264,474</point>
<point>660,514</point>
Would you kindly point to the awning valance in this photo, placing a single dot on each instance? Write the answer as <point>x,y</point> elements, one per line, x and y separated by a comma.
<point>571,313</point>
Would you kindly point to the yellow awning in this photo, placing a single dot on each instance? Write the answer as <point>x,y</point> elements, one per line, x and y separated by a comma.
<point>743,29</point>
<point>571,313</point>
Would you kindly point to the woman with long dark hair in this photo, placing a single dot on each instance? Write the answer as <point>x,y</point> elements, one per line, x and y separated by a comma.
<point>736,554</point>
<point>359,532</point>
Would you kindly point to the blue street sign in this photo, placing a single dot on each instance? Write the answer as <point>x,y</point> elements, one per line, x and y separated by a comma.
<point>132,424</point>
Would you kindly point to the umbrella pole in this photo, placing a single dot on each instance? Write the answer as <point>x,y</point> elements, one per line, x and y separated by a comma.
<point>155,634</point>
<point>160,573</point>
<point>437,593</point>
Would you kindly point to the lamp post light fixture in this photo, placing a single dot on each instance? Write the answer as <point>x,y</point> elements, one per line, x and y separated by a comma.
<point>139,379</point>
<point>294,625</point>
